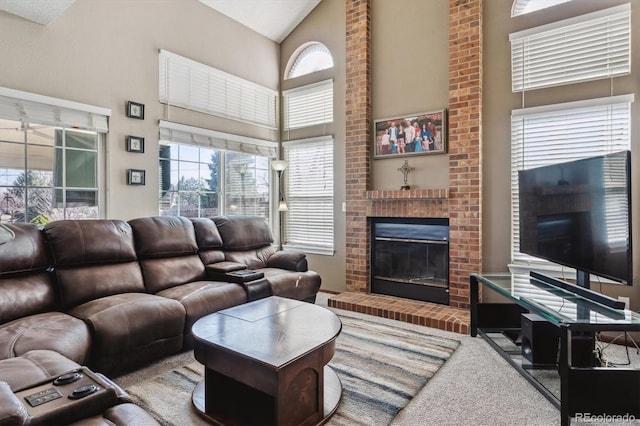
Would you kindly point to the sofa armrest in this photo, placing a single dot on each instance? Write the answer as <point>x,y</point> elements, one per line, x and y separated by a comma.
<point>291,260</point>
<point>12,411</point>
<point>225,267</point>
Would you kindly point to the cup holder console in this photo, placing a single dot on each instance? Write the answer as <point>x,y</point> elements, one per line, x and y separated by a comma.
<point>67,378</point>
<point>68,398</point>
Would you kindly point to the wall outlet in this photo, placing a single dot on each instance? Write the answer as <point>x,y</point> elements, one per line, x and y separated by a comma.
<point>625,300</point>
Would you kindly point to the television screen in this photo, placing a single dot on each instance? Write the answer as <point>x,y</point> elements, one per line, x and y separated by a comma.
<point>577,214</point>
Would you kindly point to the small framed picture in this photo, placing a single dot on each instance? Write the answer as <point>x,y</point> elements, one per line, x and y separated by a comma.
<point>135,144</point>
<point>135,177</point>
<point>135,110</point>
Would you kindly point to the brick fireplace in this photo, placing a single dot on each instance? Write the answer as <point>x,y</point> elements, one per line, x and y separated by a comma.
<point>461,201</point>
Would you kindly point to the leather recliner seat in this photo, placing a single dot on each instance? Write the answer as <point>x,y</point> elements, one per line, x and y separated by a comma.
<point>30,315</point>
<point>248,240</point>
<point>168,254</point>
<point>101,283</point>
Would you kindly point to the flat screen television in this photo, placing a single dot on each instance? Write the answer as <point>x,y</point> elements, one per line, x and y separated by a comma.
<point>578,214</point>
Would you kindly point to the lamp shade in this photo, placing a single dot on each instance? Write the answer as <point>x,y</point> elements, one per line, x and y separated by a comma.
<point>282,206</point>
<point>279,165</point>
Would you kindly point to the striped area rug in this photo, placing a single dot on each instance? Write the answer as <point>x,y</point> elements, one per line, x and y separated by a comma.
<point>381,367</point>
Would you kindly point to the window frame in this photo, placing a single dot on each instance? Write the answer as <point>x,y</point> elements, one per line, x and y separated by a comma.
<point>308,105</point>
<point>522,7</point>
<point>226,145</point>
<point>302,54</point>
<point>195,86</point>
<point>303,207</point>
<point>59,185</point>
<point>583,48</point>
<point>589,144</point>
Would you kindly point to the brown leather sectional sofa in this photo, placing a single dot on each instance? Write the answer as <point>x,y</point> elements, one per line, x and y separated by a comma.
<point>114,295</point>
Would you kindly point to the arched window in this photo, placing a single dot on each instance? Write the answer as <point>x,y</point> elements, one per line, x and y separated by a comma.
<point>521,7</point>
<point>308,58</point>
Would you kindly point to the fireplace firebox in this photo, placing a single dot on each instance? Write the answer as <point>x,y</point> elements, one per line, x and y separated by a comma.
<point>410,258</point>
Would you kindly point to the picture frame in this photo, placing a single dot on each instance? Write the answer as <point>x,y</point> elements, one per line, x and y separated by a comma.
<point>135,110</point>
<point>430,128</point>
<point>135,144</point>
<point>135,177</point>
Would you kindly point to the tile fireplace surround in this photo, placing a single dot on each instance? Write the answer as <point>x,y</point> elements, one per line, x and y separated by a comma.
<point>460,202</point>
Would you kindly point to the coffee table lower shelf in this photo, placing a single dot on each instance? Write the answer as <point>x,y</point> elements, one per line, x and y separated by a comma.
<point>332,397</point>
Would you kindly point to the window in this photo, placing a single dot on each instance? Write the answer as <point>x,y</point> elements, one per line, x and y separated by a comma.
<point>309,183</point>
<point>522,7</point>
<point>556,133</point>
<point>308,224</point>
<point>588,47</point>
<point>47,173</point>
<point>204,173</point>
<point>192,85</point>
<point>308,58</point>
<point>308,105</point>
<point>50,152</point>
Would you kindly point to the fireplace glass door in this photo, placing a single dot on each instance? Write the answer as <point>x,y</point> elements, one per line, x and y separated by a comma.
<point>411,259</point>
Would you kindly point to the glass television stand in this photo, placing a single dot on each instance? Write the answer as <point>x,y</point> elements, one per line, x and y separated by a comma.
<point>547,332</point>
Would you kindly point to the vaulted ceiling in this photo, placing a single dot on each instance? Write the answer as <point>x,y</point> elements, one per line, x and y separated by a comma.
<point>274,19</point>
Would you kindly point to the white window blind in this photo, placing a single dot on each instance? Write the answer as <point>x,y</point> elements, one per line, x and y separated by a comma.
<point>34,108</point>
<point>308,105</point>
<point>191,135</point>
<point>553,134</point>
<point>588,47</point>
<point>309,195</point>
<point>192,85</point>
<point>564,132</point>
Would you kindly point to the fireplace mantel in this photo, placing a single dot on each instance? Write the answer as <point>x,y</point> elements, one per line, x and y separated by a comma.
<point>407,194</point>
<point>408,203</point>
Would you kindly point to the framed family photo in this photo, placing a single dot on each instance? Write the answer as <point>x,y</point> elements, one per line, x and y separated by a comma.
<point>413,134</point>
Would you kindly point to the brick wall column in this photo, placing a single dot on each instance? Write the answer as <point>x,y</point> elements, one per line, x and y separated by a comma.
<point>465,148</point>
<point>358,135</point>
<point>465,197</point>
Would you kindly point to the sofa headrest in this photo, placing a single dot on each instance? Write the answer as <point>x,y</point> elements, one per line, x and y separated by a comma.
<point>163,236</point>
<point>243,232</point>
<point>84,242</point>
<point>207,235</point>
<point>26,251</point>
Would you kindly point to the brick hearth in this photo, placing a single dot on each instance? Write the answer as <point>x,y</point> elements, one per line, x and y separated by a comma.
<point>461,202</point>
<point>421,313</point>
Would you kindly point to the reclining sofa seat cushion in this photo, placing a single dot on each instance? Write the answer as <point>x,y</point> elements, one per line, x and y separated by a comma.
<point>168,254</point>
<point>125,414</point>
<point>30,316</point>
<point>40,367</point>
<point>101,283</point>
<point>248,240</point>
<point>217,268</point>
<point>33,367</point>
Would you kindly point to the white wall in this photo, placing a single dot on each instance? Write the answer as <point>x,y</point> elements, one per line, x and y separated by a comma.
<point>105,52</point>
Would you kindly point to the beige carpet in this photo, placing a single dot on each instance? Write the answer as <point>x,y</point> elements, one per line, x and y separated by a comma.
<point>381,367</point>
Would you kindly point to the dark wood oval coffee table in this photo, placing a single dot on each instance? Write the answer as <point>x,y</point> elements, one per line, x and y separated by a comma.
<point>265,363</point>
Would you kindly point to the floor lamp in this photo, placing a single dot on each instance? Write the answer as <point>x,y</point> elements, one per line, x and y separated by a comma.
<point>279,166</point>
